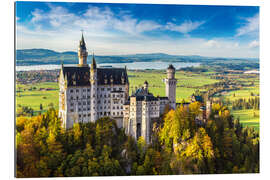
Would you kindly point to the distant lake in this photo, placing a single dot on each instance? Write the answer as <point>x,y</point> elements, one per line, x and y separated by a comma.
<point>133,66</point>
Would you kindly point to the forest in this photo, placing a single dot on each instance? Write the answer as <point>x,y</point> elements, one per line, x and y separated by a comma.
<point>178,146</point>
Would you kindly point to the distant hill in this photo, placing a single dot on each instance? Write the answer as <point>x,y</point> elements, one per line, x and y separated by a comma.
<point>46,56</point>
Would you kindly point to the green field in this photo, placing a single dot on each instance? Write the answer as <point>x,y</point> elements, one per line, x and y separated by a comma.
<point>246,116</point>
<point>188,83</point>
<point>34,98</point>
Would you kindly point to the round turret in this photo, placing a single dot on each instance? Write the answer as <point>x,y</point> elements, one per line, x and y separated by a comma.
<point>145,85</point>
<point>82,53</point>
<point>170,72</point>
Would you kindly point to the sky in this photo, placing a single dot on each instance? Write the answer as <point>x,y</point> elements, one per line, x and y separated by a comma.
<point>118,29</point>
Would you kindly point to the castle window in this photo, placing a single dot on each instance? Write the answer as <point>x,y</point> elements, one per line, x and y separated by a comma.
<point>114,89</point>
<point>84,103</point>
<point>77,97</point>
<point>83,96</point>
<point>88,90</point>
<point>88,115</point>
<point>71,110</point>
<point>101,95</point>
<point>109,101</point>
<point>71,97</point>
<point>98,102</point>
<point>105,101</point>
<point>79,109</point>
<point>120,89</point>
<point>117,113</point>
<point>77,90</point>
<point>84,115</point>
<point>84,90</point>
<point>109,95</point>
<point>71,91</point>
<point>79,103</point>
<point>113,113</point>
<point>88,97</point>
<point>80,115</point>
<point>88,109</point>
<point>88,102</point>
<point>102,89</point>
<point>121,113</point>
<point>104,95</point>
<point>84,109</point>
<point>113,96</point>
<point>108,89</point>
<point>109,113</point>
<point>97,88</point>
<point>121,95</point>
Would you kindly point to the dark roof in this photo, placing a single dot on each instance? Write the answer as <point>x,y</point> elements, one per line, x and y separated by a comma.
<point>82,43</point>
<point>163,97</point>
<point>171,67</point>
<point>94,64</point>
<point>117,74</point>
<point>77,76</point>
<point>146,98</point>
<point>197,98</point>
<point>80,76</point>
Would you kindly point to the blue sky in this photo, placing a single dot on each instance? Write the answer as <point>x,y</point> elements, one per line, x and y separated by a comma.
<point>114,29</point>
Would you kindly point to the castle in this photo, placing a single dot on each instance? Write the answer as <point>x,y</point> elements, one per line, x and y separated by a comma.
<point>89,93</point>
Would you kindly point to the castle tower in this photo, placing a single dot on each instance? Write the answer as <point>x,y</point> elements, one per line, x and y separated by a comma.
<point>170,83</point>
<point>145,121</point>
<point>145,86</point>
<point>93,81</point>
<point>208,108</point>
<point>82,53</point>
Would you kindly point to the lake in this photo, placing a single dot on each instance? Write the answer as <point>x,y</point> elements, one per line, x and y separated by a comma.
<point>133,66</point>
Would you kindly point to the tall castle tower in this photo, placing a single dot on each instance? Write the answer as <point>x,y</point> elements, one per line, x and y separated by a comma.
<point>82,53</point>
<point>170,83</point>
<point>93,81</point>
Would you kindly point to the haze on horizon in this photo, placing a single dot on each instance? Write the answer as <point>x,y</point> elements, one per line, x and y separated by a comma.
<point>119,29</point>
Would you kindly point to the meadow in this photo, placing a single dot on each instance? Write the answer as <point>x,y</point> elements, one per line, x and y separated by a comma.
<point>246,116</point>
<point>188,83</point>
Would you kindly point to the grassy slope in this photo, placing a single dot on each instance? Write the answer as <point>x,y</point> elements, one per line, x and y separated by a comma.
<point>246,116</point>
<point>35,97</point>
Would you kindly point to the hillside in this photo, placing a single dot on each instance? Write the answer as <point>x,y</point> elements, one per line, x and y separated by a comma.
<point>46,56</point>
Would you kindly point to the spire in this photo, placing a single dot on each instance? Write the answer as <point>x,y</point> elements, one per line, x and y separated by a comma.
<point>94,64</point>
<point>82,43</point>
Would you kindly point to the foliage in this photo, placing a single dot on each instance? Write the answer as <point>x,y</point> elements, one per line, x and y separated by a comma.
<point>179,146</point>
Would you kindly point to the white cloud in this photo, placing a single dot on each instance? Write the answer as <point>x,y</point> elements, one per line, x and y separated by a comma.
<point>107,33</point>
<point>251,26</point>
<point>17,18</point>
<point>212,43</point>
<point>185,27</point>
<point>254,44</point>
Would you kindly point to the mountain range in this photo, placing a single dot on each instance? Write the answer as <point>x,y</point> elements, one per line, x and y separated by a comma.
<point>46,56</point>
